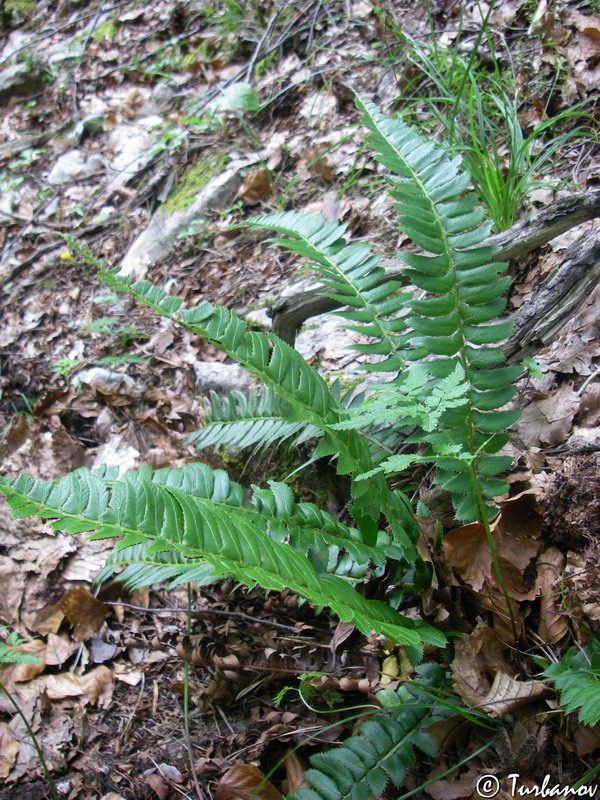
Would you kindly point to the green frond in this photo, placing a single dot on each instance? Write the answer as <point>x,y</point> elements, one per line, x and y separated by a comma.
<point>351,276</point>
<point>217,532</point>
<point>384,747</point>
<point>577,678</point>
<point>464,294</point>
<point>246,420</point>
<point>283,370</point>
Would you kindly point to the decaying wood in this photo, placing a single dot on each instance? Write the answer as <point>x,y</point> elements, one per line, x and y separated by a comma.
<point>538,319</point>
<point>556,300</point>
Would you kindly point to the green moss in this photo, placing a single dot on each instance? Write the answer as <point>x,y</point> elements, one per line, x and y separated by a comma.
<point>346,381</point>
<point>24,7</point>
<point>106,30</point>
<point>192,181</point>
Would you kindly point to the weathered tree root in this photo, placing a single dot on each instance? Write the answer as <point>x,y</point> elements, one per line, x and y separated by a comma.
<point>538,320</point>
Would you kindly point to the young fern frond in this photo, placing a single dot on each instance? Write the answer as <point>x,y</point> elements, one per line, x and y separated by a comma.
<point>383,749</point>
<point>211,530</point>
<point>577,677</point>
<point>246,420</point>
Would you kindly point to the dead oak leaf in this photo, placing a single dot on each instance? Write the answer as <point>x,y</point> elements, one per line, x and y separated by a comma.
<point>514,534</point>
<point>257,186</point>
<point>242,782</point>
<point>547,421</point>
<point>83,612</point>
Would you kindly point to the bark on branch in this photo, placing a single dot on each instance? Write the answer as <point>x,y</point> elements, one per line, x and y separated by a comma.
<point>553,303</point>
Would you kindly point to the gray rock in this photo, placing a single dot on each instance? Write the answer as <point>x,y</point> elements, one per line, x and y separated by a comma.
<point>20,80</point>
<point>221,378</point>
<point>105,379</point>
<point>73,165</point>
<point>161,234</point>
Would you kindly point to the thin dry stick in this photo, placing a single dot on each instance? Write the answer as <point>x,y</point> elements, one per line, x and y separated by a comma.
<point>216,611</point>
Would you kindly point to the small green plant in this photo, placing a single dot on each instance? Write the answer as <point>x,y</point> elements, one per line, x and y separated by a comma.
<point>64,366</point>
<point>112,326</point>
<point>9,654</point>
<point>447,397</point>
<point>478,113</point>
<point>577,677</point>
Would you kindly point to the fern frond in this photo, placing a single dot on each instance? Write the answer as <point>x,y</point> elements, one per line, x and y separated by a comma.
<point>383,749</point>
<point>351,276</point>
<point>137,569</point>
<point>465,292</point>
<point>577,678</point>
<point>283,370</point>
<point>244,420</point>
<point>136,510</point>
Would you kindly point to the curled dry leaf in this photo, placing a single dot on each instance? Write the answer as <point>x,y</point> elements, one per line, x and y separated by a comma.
<point>478,657</point>
<point>515,532</point>
<point>83,612</point>
<point>241,783</point>
<point>256,187</point>
<point>482,677</point>
<point>9,749</point>
<point>547,422</point>
<point>553,619</point>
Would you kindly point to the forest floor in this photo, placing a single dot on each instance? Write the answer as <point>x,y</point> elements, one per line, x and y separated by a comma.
<point>87,377</point>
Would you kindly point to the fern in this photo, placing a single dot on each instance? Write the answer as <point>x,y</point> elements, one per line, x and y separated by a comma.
<point>208,525</point>
<point>446,333</point>
<point>577,678</point>
<point>383,749</point>
<point>352,277</point>
<point>240,420</point>
<point>283,370</point>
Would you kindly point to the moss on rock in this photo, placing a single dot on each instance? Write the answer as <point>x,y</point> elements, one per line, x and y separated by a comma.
<point>192,181</point>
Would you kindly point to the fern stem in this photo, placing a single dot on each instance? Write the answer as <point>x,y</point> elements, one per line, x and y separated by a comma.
<point>186,696</point>
<point>483,511</point>
<point>34,741</point>
<point>450,770</point>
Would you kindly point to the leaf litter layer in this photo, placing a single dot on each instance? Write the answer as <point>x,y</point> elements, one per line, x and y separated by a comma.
<point>58,323</point>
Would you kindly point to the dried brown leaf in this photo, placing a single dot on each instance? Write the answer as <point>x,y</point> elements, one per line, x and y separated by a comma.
<point>506,694</point>
<point>257,186</point>
<point>83,611</point>
<point>553,619</point>
<point>241,783</point>
<point>20,673</point>
<point>547,422</point>
<point>67,684</point>
<point>514,532</point>
<point>9,749</point>
<point>478,657</point>
<point>294,770</point>
<point>59,648</point>
<point>452,788</point>
<point>587,739</point>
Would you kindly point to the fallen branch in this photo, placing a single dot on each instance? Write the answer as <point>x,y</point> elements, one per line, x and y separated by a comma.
<point>556,300</point>
<point>569,286</point>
